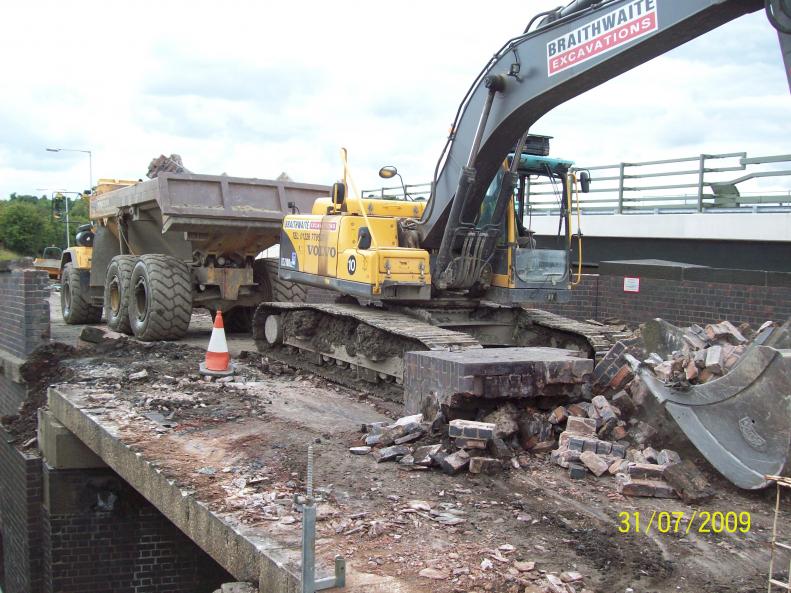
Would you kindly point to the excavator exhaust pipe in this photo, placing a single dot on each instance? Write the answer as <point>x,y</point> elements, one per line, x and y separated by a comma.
<point>740,422</point>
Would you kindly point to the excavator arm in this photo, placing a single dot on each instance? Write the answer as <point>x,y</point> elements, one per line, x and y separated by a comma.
<point>571,51</point>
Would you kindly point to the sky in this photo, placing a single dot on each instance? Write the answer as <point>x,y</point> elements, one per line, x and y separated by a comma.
<point>254,89</point>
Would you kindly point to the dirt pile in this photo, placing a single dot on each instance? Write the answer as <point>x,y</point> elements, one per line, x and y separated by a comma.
<point>47,365</point>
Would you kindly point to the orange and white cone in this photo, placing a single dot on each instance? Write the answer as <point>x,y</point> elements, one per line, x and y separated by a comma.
<point>218,359</point>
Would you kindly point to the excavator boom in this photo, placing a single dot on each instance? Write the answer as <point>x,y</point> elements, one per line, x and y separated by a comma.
<point>571,51</point>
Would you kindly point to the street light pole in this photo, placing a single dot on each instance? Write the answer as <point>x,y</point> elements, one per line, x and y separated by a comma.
<point>90,163</point>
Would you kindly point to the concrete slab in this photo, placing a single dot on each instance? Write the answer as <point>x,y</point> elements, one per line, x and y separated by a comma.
<point>267,553</point>
<point>439,377</point>
<point>60,448</point>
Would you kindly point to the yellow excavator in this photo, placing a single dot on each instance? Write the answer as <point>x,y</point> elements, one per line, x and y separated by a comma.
<point>455,272</point>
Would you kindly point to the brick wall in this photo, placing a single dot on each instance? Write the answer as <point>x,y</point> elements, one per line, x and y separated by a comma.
<point>680,293</point>
<point>12,394</point>
<point>101,535</point>
<point>20,519</point>
<point>584,303</point>
<point>686,301</point>
<point>24,323</point>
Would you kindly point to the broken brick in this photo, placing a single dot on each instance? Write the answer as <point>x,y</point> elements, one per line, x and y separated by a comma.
<point>533,429</point>
<point>558,415</point>
<point>577,471</point>
<point>618,450</point>
<point>624,403</point>
<point>619,432</point>
<point>462,443</point>
<point>576,410</point>
<point>423,454</point>
<point>504,420</point>
<point>629,486</point>
<point>391,453</point>
<point>691,371</point>
<point>715,360</point>
<point>668,457</point>
<point>691,485</point>
<point>603,447</point>
<point>725,331</point>
<point>646,470</point>
<point>650,454</point>
<point>485,465</point>
<point>594,463</point>
<point>471,429</point>
<point>618,466</point>
<point>499,449</point>
<point>581,426</point>
<point>642,432</point>
<point>544,447</point>
<point>453,463</point>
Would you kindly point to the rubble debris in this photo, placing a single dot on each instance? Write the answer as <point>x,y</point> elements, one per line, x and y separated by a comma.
<point>471,430</point>
<point>452,463</point>
<point>485,465</point>
<point>630,486</point>
<point>691,485</point>
<point>597,465</point>
<point>391,453</point>
<point>504,418</point>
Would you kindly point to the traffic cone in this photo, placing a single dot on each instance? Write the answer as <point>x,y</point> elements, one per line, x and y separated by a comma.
<point>218,359</point>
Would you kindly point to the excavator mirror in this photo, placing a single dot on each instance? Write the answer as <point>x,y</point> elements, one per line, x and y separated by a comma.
<point>338,193</point>
<point>388,172</point>
<point>585,182</point>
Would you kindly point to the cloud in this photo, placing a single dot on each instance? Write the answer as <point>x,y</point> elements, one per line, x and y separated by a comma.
<point>253,89</point>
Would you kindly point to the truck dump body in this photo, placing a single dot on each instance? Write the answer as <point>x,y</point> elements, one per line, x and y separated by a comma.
<point>212,209</point>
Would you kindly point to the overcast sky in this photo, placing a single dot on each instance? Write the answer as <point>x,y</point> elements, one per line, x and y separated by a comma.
<point>254,89</point>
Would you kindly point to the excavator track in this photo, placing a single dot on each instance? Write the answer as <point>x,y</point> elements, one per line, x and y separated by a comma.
<point>600,338</point>
<point>371,342</point>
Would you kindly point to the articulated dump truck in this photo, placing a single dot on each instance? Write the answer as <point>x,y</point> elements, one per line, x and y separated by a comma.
<point>157,249</point>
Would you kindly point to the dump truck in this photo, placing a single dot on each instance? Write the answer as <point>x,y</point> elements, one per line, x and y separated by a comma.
<point>159,248</point>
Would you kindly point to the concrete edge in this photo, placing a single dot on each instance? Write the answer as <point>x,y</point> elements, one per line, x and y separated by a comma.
<point>261,561</point>
<point>11,366</point>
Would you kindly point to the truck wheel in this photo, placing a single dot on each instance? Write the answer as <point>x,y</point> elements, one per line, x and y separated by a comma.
<point>160,298</point>
<point>75,303</point>
<point>116,292</point>
<point>283,291</point>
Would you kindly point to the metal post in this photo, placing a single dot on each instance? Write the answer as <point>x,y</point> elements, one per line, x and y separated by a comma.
<point>309,582</point>
<point>68,240</point>
<point>701,173</point>
<point>620,187</point>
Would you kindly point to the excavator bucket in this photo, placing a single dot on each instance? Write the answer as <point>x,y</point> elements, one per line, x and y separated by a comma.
<point>740,422</point>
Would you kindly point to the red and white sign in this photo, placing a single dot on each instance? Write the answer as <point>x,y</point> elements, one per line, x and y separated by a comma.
<point>631,284</point>
<point>604,34</point>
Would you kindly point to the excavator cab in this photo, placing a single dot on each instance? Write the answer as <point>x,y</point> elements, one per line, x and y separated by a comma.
<point>522,272</point>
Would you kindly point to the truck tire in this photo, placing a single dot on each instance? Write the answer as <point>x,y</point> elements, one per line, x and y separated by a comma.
<point>75,304</point>
<point>160,298</point>
<point>283,291</point>
<point>116,293</point>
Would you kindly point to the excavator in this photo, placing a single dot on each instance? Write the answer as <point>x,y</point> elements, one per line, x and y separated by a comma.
<point>459,271</point>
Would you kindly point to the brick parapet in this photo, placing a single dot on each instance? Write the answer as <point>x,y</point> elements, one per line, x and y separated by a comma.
<point>20,518</point>
<point>24,310</point>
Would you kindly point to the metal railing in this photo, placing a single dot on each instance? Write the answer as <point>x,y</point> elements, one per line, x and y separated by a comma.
<point>414,191</point>
<point>661,186</point>
<point>625,188</point>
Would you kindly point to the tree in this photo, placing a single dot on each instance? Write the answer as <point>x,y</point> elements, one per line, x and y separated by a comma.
<point>24,229</point>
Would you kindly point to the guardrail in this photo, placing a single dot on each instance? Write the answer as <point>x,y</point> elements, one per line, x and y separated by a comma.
<point>625,188</point>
